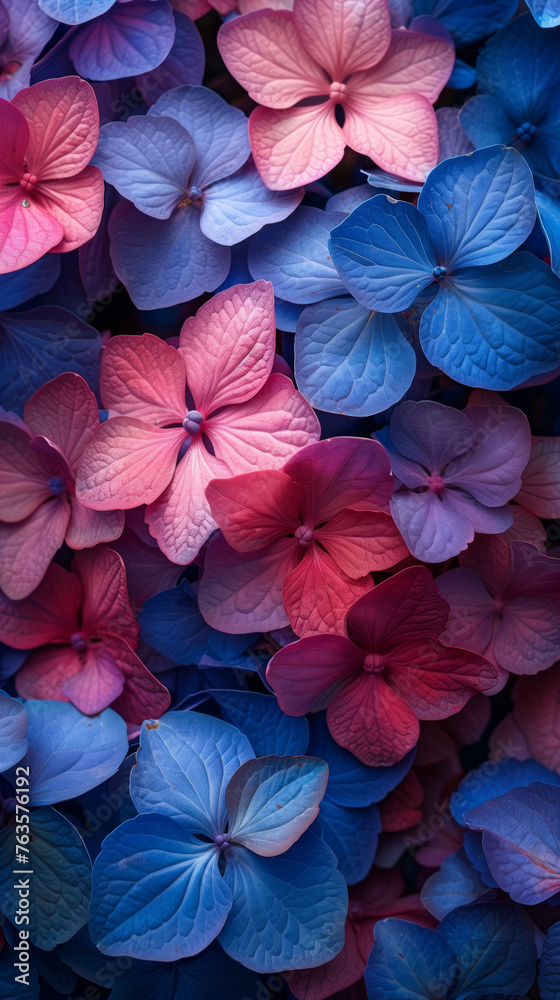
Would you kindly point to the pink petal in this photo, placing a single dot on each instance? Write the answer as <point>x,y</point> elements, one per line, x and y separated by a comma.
<point>255,509</point>
<point>490,558</point>
<point>90,527</point>
<point>526,527</point>
<point>371,721</point>
<point>27,548</point>
<point>540,490</point>
<point>228,347</point>
<point>264,53</point>
<point>414,64</point>
<point>317,594</point>
<point>335,976</point>
<point>536,701</point>
<point>530,571</point>
<point>127,463</point>
<point>295,146</point>
<point>342,35</point>
<point>242,592</point>
<point>45,671</point>
<point>491,469</point>
<point>148,571</point>
<point>307,674</point>
<point>96,685</point>
<point>65,411</point>
<point>472,610</point>
<point>25,474</point>
<point>181,519</point>
<point>342,472</point>
<point>105,607</point>
<point>399,133</point>
<point>76,203</point>
<point>402,808</point>
<point>143,377</point>
<point>143,696</point>
<point>266,431</point>
<point>528,633</point>
<point>362,541</point>
<point>64,122</point>
<point>49,615</point>
<point>15,138</point>
<point>27,230</point>
<point>405,606</point>
<point>436,680</point>
<point>508,739</point>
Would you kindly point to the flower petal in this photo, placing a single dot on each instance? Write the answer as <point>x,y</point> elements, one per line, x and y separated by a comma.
<point>295,146</point>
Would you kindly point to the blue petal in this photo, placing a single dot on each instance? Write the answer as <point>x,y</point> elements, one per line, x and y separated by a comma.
<point>171,623</point>
<point>455,884</point>
<point>479,207</point>
<point>453,140</point>
<point>549,965</point>
<point>36,346</point>
<point>164,262</point>
<point>294,256</point>
<point>352,783</point>
<point>148,160</point>
<point>351,360</point>
<point>228,648</point>
<point>353,835</point>
<point>391,182</point>
<point>468,21</point>
<point>220,132</point>
<point>69,752</point>
<point>184,64</point>
<point>520,67</point>
<point>408,962</point>
<point>472,843</point>
<point>183,766</point>
<point>547,14</point>
<point>60,879</point>
<point>493,328</point>
<point>384,254</point>
<point>157,891</point>
<point>238,206</point>
<point>273,800</point>
<point>265,725</point>
<point>75,11</point>
<point>486,121</point>
<point>347,201</point>
<point>549,215</point>
<point>19,286</point>
<point>211,976</point>
<point>288,912</point>
<point>13,727</point>
<point>496,778</point>
<point>463,76</point>
<point>494,948</point>
<point>130,38</point>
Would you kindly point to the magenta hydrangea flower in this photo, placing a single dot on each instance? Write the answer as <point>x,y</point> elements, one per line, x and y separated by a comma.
<point>180,418</point>
<point>456,472</point>
<point>297,545</point>
<point>39,509</point>
<point>301,65</point>
<point>84,632</point>
<point>388,671</point>
<point>505,605</point>
<point>50,199</point>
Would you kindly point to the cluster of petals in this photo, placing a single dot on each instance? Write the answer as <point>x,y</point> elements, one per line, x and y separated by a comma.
<point>388,670</point>
<point>300,65</point>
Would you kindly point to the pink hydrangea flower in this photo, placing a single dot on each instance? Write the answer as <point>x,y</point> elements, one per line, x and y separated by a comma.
<point>386,673</point>
<point>50,199</point>
<point>83,630</point>
<point>39,509</point>
<point>214,396</point>
<point>298,545</point>
<point>300,65</point>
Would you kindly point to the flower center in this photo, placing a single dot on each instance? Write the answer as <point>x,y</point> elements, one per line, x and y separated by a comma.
<point>78,641</point>
<point>436,485</point>
<point>9,69</point>
<point>57,485</point>
<point>192,422</point>
<point>28,181</point>
<point>304,534</point>
<point>222,840</point>
<point>499,606</point>
<point>526,132</point>
<point>439,272</point>
<point>374,663</point>
<point>338,92</point>
<point>192,197</point>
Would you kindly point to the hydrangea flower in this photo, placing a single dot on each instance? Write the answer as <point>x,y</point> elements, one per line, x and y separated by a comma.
<point>387,670</point>
<point>347,56</point>
<point>38,462</point>
<point>84,632</point>
<point>193,192</point>
<point>167,438</point>
<point>547,14</point>
<point>50,199</point>
<point>473,211</point>
<point>455,473</point>
<point>297,545</point>
<point>244,868</point>
<point>24,32</point>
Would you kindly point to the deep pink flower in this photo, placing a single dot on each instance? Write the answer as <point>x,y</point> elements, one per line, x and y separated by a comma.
<point>505,604</point>
<point>214,396</point>
<point>298,545</point>
<point>38,461</point>
<point>83,623</point>
<point>50,199</point>
<point>540,492</point>
<point>301,64</point>
<point>386,673</point>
